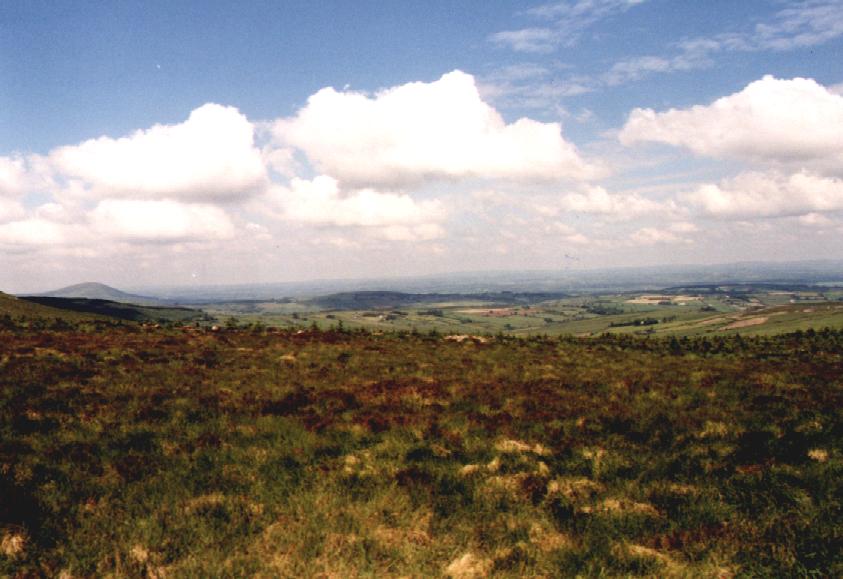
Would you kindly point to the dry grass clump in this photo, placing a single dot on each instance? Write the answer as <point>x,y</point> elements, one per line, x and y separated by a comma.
<point>13,544</point>
<point>468,566</point>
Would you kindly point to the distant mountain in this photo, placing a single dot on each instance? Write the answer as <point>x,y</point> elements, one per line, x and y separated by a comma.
<point>98,291</point>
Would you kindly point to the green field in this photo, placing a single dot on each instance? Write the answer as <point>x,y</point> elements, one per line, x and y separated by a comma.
<point>716,313</point>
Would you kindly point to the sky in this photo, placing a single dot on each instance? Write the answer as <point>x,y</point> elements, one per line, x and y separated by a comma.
<point>196,143</point>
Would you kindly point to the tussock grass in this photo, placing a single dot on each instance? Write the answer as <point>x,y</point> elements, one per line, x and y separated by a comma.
<point>339,453</point>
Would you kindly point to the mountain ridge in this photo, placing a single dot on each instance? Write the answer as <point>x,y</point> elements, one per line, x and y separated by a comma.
<point>99,291</point>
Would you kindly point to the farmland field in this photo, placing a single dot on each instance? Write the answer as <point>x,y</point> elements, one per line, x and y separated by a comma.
<point>130,451</point>
<point>720,312</point>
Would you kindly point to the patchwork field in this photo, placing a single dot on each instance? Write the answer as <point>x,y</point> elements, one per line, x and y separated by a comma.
<point>136,451</point>
<point>680,314</point>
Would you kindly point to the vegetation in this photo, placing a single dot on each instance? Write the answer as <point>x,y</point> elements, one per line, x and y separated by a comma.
<point>709,311</point>
<point>119,310</point>
<point>136,451</point>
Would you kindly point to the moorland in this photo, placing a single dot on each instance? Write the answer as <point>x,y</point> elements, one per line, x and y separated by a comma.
<point>169,449</point>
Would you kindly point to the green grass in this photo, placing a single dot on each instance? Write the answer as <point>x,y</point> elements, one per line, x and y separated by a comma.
<point>133,452</point>
<point>713,315</point>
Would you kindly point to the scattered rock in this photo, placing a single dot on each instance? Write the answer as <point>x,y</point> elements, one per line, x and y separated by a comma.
<point>460,338</point>
<point>470,469</point>
<point>140,554</point>
<point>468,566</point>
<point>511,446</point>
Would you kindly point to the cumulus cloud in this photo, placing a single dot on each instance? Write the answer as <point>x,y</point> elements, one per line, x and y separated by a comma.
<point>815,220</point>
<point>159,221</point>
<point>683,227</point>
<point>567,234</point>
<point>12,176</point>
<point>23,174</point>
<point>419,131</point>
<point>211,155</point>
<point>395,216</point>
<point>10,210</point>
<point>423,232</point>
<point>653,235</point>
<point>791,122</point>
<point>31,233</point>
<point>600,202</point>
<point>756,194</point>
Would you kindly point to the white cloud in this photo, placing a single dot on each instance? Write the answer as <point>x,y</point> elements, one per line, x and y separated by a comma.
<point>29,233</point>
<point>210,156</point>
<point>755,194</point>
<point>423,232</point>
<point>12,176</point>
<point>391,216</point>
<point>652,236</point>
<point>21,175</point>
<point>422,131</point>
<point>589,10</point>
<point>600,202</point>
<point>639,67</point>
<point>282,161</point>
<point>570,20</point>
<point>815,220</point>
<point>10,210</point>
<point>537,40</point>
<point>795,122</point>
<point>568,234</point>
<point>802,24</point>
<point>683,227</point>
<point>531,87</point>
<point>159,221</point>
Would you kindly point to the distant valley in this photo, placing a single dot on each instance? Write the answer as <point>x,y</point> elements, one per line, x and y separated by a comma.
<point>673,301</point>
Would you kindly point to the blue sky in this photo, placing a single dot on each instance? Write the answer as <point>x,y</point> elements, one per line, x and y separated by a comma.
<point>197,142</point>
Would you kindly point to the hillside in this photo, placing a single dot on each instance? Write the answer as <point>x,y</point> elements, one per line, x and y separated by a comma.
<point>17,308</point>
<point>121,311</point>
<point>347,454</point>
<point>99,291</point>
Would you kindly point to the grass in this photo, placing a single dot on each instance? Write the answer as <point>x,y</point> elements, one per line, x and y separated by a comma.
<point>130,452</point>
